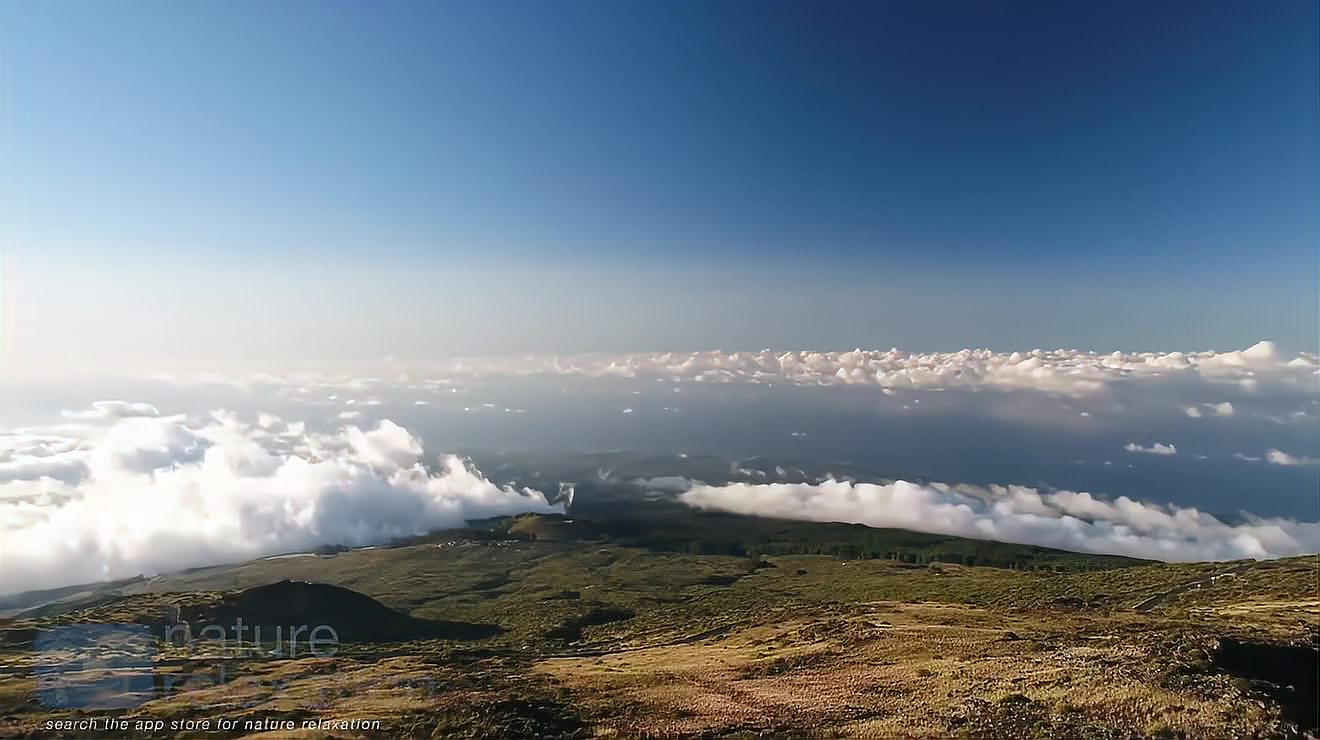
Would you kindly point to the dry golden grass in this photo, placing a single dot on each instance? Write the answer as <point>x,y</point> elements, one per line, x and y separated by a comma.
<point>891,669</point>
<point>719,645</point>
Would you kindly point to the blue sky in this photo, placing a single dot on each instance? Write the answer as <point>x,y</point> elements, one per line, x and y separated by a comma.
<point>305,179</point>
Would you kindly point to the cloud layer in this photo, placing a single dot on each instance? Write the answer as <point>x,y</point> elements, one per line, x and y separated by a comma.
<point>1062,519</point>
<point>1063,371</point>
<point>129,492</point>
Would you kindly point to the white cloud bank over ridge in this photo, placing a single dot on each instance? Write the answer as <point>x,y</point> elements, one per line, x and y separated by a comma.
<point>136,493</point>
<point>1072,372</point>
<point>1061,519</point>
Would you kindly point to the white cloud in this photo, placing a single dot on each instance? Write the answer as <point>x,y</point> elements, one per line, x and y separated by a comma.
<point>670,483</point>
<point>157,494</point>
<point>1064,371</point>
<point>1276,457</point>
<point>1062,519</point>
<point>1279,457</point>
<point>1159,448</point>
<point>102,410</point>
<point>33,454</point>
<point>1217,409</point>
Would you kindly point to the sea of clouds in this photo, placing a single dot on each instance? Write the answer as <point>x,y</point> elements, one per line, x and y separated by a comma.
<point>1061,371</point>
<point>120,490</point>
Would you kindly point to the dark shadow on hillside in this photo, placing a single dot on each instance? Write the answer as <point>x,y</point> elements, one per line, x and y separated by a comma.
<point>1287,673</point>
<point>355,617</point>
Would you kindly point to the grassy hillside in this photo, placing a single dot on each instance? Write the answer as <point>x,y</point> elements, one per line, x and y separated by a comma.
<point>668,527</point>
<point>619,627</point>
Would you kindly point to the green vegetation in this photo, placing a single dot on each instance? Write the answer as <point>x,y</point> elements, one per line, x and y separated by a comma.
<point>669,527</point>
<point>718,625</point>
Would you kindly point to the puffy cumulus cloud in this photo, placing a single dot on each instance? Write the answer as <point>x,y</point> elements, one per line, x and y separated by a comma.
<point>1279,457</point>
<point>33,455</point>
<point>1062,519</point>
<point>150,494</point>
<point>102,410</point>
<point>1159,448</point>
<point>1062,371</point>
<point>1276,457</point>
<point>1212,409</point>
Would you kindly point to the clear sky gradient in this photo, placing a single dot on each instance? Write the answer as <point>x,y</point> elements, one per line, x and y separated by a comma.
<point>296,180</point>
